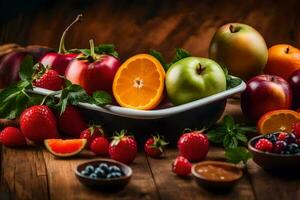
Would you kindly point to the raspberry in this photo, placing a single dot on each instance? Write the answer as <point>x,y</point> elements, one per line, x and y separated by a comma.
<point>264,145</point>
<point>282,136</point>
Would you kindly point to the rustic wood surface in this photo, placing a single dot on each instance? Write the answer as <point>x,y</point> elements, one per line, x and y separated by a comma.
<point>33,173</point>
<point>136,26</point>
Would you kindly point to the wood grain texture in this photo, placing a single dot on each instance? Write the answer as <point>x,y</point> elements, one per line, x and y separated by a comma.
<point>33,173</point>
<point>170,186</point>
<point>23,174</point>
<point>63,184</point>
<point>136,26</point>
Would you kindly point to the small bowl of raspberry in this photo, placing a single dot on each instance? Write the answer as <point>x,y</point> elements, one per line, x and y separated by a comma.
<point>278,151</point>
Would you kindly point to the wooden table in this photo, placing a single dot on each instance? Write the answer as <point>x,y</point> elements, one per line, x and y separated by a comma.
<point>33,173</point>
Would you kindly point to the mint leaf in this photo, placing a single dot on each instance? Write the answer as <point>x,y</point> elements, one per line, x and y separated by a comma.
<point>216,136</point>
<point>160,58</point>
<point>72,94</point>
<point>228,122</point>
<point>101,98</point>
<point>230,81</point>
<point>180,54</point>
<point>233,82</point>
<point>229,133</point>
<point>11,92</point>
<point>26,68</point>
<point>106,49</point>
<point>241,137</point>
<point>238,154</point>
<point>230,142</point>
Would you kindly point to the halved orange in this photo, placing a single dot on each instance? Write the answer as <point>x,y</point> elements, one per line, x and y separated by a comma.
<point>139,82</point>
<point>278,120</point>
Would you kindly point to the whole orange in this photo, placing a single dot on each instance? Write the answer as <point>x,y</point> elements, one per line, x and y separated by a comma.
<point>283,60</point>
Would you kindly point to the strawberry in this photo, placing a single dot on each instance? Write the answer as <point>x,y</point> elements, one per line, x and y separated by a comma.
<point>264,145</point>
<point>155,146</point>
<point>38,123</point>
<point>296,129</point>
<point>123,148</point>
<point>12,137</point>
<point>193,145</point>
<point>100,146</point>
<point>71,122</point>
<point>91,133</point>
<point>49,80</point>
<point>181,166</point>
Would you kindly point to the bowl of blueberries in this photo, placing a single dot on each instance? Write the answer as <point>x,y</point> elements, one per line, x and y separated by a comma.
<point>104,174</point>
<point>278,151</point>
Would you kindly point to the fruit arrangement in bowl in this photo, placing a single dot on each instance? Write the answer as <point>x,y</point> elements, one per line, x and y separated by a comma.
<point>141,91</point>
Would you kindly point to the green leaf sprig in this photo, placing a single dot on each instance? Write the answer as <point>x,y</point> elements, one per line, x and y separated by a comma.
<point>231,135</point>
<point>16,98</point>
<point>179,54</point>
<point>231,82</point>
<point>74,94</point>
<point>108,49</point>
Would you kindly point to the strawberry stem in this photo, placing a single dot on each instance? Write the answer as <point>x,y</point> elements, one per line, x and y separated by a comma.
<point>62,49</point>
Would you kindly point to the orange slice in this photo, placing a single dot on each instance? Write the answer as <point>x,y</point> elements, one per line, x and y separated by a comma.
<point>278,120</point>
<point>139,82</point>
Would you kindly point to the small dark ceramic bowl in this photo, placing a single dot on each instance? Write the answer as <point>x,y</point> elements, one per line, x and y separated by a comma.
<point>273,161</point>
<point>221,184</point>
<point>104,184</point>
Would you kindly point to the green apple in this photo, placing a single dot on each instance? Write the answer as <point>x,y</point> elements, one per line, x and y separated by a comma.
<point>193,78</point>
<point>240,48</point>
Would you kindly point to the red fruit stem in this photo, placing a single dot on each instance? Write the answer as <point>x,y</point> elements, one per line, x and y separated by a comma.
<point>92,46</point>
<point>62,49</point>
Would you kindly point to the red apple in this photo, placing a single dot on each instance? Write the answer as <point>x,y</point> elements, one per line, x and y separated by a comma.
<point>265,93</point>
<point>59,61</point>
<point>93,73</point>
<point>294,81</point>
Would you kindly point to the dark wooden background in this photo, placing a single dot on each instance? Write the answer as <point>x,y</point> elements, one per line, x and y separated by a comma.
<point>136,26</point>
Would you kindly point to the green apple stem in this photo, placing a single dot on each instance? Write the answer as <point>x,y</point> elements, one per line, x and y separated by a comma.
<point>200,69</point>
<point>232,29</point>
<point>62,49</point>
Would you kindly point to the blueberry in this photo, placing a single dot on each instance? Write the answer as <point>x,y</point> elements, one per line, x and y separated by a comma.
<point>279,146</point>
<point>85,173</point>
<point>271,137</point>
<point>293,148</point>
<point>89,168</point>
<point>110,176</point>
<point>117,174</point>
<point>291,138</point>
<point>104,167</point>
<point>114,168</point>
<point>93,175</point>
<point>100,173</point>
